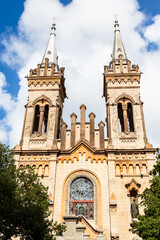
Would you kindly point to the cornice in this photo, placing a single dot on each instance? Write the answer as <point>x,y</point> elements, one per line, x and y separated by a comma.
<point>36,151</point>
<point>130,74</point>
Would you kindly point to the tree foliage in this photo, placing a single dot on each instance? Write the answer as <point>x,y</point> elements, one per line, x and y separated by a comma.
<point>7,191</point>
<point>148,225</point>
<point>24,203</point>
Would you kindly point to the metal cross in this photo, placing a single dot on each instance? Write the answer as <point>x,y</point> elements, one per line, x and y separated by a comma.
<point>116,16</point>
<point>54,20</point>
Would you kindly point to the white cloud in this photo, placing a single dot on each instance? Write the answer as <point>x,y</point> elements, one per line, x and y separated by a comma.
<point>152,32</point>
<point>6,102</point>
<point>84,44</point>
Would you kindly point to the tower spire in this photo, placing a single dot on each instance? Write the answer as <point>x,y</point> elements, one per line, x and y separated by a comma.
<point>118,47</point>
<point>51,52</point>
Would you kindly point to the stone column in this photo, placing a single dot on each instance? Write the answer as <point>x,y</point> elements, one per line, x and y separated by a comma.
<point>129,65</point>
<point>63,136</point>
<point>101,134</point>
<point>70,233</point>
<point>108,124</point>
<point>41,109</point>
<point>46,66</point>
<point>92,116</point>
<point>73,128</point>
<point>124,108</point>
<point>52,69</point>
<point>112,194</point>
<point>56,125</point>
<point>114,68</point>
<point>82,124</point>
<point>143,123</point>
<point>38,69</point>
<point>52,183</point>
<point>24,123</point>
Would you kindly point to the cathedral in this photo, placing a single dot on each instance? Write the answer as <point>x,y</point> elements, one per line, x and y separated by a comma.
<point>92,181</point>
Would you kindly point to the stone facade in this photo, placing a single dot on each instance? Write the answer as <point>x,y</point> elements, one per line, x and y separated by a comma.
<point>117,168</point>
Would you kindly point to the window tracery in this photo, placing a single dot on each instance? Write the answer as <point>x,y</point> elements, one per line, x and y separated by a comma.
<point>82,198</point>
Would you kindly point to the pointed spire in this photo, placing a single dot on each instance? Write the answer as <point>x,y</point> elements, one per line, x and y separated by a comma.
<point>118,47</point>
<point>51,52</point>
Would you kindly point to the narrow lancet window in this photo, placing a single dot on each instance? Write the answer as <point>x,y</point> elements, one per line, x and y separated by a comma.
<point>59,125</point>
<point>36,119</point>
<point>125,116</point>
<point>45,119</point>
<point>130,117</point>
<point>120,117</point>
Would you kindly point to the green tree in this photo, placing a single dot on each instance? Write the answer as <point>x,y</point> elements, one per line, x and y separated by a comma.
<point>148,225</point>
<point>24,203</point>
<point>33,210</point>
<point>7,192</point>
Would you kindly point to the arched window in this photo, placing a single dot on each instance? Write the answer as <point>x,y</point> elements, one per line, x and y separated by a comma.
<point>82,198</point>
<point>130,117</point>
<point>41,117</point>
<point>125,115</point>
<point>131,169</point>
<point>45,119</point>
<point>120,117</point>
<point>124,169</point>
<point>46,170</point>
<point>36,119</point>
<point>59,124</point>
<point>117,169</point>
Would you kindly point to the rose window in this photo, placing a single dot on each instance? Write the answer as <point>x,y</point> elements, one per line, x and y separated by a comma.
<point>82,198</point>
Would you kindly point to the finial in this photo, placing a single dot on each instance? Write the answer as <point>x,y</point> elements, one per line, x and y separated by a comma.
<point>54,20</point>
<point>53,28</point>
<point>118,48</point>
<point>51,52</point>
<point>116,17</point>
<point>116,25</point>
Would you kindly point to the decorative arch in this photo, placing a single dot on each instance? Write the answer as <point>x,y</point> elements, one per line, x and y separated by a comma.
<point>124,95</point>
<point>97,192</point>
<point>42,97</point>
<point>117,169</point>
<point>124,104</point>
<point>41,112</point>
<point>133,185</point>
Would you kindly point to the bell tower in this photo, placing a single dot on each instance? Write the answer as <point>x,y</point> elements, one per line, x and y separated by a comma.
<point>125,119</point>
<point>46,94</point>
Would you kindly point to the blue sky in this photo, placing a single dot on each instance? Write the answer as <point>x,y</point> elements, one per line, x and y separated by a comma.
<point>10,13</point>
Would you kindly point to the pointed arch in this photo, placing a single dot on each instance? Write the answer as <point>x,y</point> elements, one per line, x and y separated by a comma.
<point>124,95</point>
<point>81,173</point>
<point>132,185</point>
<point>42,97</point>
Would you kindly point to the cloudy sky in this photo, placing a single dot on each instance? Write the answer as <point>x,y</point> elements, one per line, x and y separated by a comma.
<point>84,44</point>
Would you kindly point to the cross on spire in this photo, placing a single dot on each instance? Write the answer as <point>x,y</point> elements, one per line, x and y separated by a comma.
<point>118,47</point>
<point>116,17</point>
<point>54,20</point>
<point>51,52</point>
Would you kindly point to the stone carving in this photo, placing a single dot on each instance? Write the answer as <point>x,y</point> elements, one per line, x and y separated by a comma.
<point>134,209</point>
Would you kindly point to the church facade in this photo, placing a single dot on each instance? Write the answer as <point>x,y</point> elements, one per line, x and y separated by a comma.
<point>88,176</point>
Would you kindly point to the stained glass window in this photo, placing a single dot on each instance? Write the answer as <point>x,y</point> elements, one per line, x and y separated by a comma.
<point>82,198</point>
